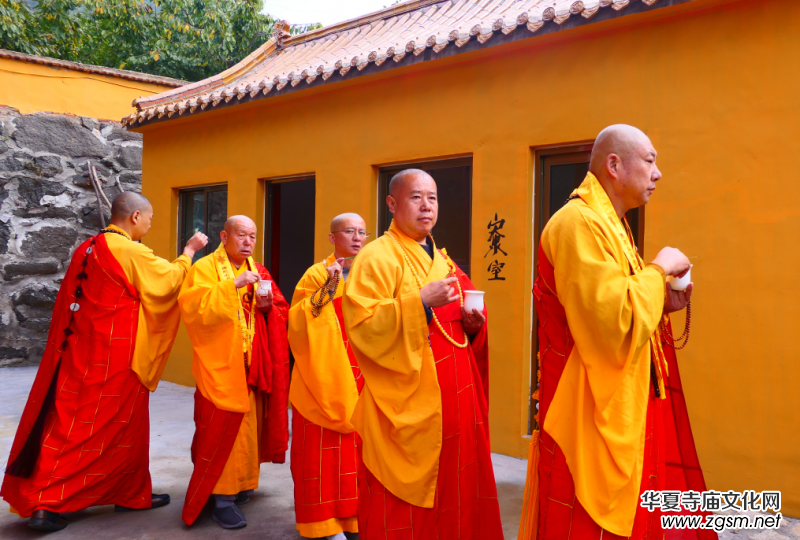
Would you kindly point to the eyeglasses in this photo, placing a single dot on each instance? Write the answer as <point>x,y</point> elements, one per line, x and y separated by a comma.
<point>352,232</point>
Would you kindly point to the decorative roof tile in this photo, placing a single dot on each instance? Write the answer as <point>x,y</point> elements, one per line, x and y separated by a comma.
<point>399,32</point>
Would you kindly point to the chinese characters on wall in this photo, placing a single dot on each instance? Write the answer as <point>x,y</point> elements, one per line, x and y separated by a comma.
<point>495,240</point>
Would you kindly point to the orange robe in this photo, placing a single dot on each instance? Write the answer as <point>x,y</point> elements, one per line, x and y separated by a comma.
<point>242,385</point>
<point>325,384</point>
<point>613,426</point>
<point>422,414</point>
<point>113,325</point>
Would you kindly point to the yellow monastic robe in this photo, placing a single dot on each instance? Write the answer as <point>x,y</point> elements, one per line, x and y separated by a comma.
<point>613,306</point>
<point>324,392</point>
<point>158,283</point>
<point>210,314</point>
<point>399,413</point>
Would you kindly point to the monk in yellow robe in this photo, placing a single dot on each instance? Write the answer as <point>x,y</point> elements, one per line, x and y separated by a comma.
<point>426,470</point>
<point>241,366</point>
<point>614,422</point>
<point>326,382</point>
<point>84,436</point>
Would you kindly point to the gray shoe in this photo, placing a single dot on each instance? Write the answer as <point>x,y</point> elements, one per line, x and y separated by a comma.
<point>47,521</point>
<point>351,536</point>
<point>241,499</point>
<point>229,517</point>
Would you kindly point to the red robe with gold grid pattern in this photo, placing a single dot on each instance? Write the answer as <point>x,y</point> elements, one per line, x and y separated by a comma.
<point>96,443</point>
<point>670,457</point>
<point>465,505</point>
<point>324,461</point>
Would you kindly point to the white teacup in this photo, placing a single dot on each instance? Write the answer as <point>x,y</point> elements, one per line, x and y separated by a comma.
<point>680,284</point>
<point>264,287</point>
<point>473,300</point>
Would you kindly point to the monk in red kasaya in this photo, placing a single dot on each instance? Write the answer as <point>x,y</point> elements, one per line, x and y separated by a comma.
<point>84,436</point>
<point>240,363</point>
<point>426,470</point>
<point>613,415</point>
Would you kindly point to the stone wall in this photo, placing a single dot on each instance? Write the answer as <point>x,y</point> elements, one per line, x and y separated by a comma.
<point>47,208</point>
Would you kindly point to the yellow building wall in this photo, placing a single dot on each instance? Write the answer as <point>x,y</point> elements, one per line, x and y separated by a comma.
<point>714,88</point>
<point>31,88</point>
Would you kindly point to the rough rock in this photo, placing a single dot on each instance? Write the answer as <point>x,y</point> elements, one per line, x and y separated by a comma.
<point>33,190</point>
<point>46,212</point>
<point>36,296</point>
<point>24,269</point>
<point>3,147</point>
<point>57,134</point>
<point>15,162</point>
<point>48,166</point>
<point>119,134</point>
<point>130,157</point>
<point>53,241</point>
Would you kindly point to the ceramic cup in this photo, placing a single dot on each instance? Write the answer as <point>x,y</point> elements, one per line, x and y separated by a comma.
<point>680,284</point>
<point>264,287</point>
<point>473,300</point>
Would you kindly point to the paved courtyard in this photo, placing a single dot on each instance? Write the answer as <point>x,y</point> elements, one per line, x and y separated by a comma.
<point>270,513</point>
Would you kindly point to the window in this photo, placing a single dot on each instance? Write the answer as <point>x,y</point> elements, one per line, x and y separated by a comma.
<point>202,210</point>
<point>454,184</point>
<point>289,237</point>
<point>559,172</point>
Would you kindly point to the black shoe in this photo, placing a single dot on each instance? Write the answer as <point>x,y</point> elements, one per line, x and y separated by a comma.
<point>229,517</point>
<point>157,502</point>
<point>351,536</point>
<point>241,499</point>
<point>45,520</point>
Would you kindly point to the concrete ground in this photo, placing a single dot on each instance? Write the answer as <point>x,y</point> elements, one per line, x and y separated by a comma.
<point>270,512</point>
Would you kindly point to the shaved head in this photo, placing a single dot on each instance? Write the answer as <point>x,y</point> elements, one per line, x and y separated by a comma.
<point>400,179</point>
<point>620,139</point>
<point>624,162</point>
<point>125,204</point>
<point>235,222</point>
<point>340,221</point>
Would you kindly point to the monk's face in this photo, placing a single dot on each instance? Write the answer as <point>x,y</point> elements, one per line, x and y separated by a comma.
<point>346,243</point>
<point>141,221</point>
<point>637,175</point>
<point>239,240</point>
<point>415,206</point>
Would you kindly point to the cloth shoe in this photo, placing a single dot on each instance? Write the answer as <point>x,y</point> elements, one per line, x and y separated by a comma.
<point>351,536</point>
<point>229,516</point>
<point>243,497</point>
<point>158,500</point>
<point>47,521</point>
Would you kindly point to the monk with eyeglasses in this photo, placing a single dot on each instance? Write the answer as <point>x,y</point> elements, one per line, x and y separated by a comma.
<point>326,382</point>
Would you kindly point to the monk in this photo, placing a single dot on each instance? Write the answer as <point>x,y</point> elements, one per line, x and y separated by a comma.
<point>84,436</point>
<point>241,366</point>
<point>326,382</point>
<point>426,470</point>
<point>614,422</point>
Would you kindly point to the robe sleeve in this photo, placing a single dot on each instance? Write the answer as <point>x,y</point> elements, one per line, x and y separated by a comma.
<point>323,389</point>
<point>612,315</point>
<point>158,283</point>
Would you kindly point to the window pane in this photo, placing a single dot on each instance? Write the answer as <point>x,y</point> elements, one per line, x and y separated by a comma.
<point>193,203</point>
<point>563,180</point>
<point>452,230</point>
<point>217,214</point>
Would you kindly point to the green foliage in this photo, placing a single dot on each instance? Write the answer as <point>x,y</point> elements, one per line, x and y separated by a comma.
<point>185,39</point>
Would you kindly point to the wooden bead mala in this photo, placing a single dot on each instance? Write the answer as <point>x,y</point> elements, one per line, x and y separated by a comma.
<point>684,336</point>
<point>326,294</point>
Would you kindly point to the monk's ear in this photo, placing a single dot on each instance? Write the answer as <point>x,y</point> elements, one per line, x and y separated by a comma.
<point>223,237</point>
<point>135,217</point>
<point>391,203</point>
<point>332,238</point>
<point>612,164</point>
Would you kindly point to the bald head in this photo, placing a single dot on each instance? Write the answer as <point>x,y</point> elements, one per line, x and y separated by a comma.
<point>235,222</point>
<point>399,180</point>
<point>346,234</point>
<point>620,139</point>
<point>624,162</point>
<point>343,220</point>
<point>125,204</point>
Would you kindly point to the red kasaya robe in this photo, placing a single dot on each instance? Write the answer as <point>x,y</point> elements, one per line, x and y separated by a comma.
<point>670,457</point>
<point>216,430</point>
<point>324,461</point>
<point>93,441</point>
<point>465,503</point>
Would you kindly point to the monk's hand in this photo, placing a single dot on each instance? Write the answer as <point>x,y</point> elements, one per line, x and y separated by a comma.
<point>439,293</point>
<point>246,279</point>
<point>672,261</point>
<point>335,267</point>
<point>263,303</point>
<point>195,244</point>
<point>677,300</point>
<point>473,322</point>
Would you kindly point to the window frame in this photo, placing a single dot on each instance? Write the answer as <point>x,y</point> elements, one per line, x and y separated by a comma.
<point>182,193</point>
